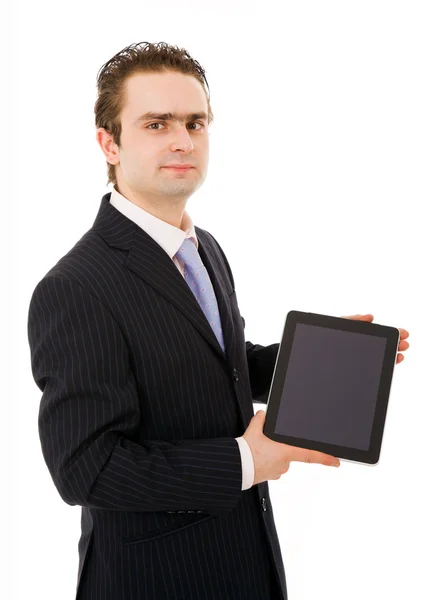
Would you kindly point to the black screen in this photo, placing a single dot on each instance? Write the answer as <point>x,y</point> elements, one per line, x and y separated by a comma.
<point>331,386</point>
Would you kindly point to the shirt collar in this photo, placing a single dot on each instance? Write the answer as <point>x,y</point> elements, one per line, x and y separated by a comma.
<point>169,237</point>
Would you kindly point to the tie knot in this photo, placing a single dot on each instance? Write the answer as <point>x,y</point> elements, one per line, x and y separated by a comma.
<point>189,254</point>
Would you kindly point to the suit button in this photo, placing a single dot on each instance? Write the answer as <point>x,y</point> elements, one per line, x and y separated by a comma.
<point>235,375</point>
<point>263,503</point>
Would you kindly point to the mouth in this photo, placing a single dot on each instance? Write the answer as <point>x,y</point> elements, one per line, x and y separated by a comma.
<point>176,168</point>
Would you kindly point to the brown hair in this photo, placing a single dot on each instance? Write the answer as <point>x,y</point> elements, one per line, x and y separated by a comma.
<point>143,57</point>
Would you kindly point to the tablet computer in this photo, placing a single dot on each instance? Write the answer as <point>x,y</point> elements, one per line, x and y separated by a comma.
<point>331,385</point>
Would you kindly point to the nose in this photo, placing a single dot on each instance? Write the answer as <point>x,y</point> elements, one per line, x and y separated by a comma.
<point>181,140</point>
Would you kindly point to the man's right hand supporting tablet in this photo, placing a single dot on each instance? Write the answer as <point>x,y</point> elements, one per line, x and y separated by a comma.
<point>272,459</point>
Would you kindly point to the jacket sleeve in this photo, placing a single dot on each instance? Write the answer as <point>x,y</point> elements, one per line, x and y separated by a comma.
<point>261,363</point>
<point>90,407</point>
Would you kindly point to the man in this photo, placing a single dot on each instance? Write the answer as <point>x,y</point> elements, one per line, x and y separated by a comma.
<point>137,343</point>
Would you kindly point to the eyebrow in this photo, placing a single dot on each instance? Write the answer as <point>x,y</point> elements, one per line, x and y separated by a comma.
<point>171,117</point>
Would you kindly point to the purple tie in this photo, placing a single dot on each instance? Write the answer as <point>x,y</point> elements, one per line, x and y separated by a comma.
<point>199,281</point>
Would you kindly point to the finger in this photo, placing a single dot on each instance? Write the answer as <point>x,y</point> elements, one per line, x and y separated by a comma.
<point>310,456</point>
<point>367,317</point>
<point>400,358</point>
<point>403,334</point>
<point>403,345</point>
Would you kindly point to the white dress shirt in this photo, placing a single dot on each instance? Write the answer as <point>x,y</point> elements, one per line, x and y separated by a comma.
<point>170,238</point>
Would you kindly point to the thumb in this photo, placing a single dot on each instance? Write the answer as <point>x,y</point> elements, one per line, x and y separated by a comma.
<point>260,414</point>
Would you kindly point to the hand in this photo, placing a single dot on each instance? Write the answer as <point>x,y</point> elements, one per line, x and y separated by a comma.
<point>403,345</point>
<point>271,459</point>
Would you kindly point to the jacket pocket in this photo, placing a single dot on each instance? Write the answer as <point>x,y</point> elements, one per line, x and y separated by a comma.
<point>181,523</point>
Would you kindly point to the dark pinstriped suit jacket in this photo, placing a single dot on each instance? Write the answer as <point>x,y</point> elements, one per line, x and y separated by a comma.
<point>138,418</point>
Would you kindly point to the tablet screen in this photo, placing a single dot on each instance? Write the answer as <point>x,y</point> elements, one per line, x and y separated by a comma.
<point>331,386</point>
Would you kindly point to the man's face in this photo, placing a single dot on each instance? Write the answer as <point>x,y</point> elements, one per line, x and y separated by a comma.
<point>149,144</point>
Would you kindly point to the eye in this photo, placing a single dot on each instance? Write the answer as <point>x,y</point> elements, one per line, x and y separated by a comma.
<point>197,123</point>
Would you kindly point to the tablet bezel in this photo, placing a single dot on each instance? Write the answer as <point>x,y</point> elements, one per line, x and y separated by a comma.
<point>392,336</point>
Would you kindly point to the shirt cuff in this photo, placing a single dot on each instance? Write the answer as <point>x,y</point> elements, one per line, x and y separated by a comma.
<point>247,463</point>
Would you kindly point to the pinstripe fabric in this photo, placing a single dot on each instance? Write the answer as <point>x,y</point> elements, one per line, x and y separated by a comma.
<point>171,238</point>
<point>138,417</point>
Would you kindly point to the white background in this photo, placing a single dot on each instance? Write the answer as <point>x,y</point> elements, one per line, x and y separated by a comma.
<point>315,191</point>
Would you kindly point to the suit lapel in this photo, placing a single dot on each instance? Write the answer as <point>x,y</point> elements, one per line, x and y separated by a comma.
<point>149,261</point>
